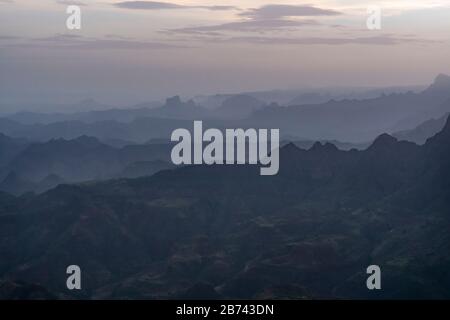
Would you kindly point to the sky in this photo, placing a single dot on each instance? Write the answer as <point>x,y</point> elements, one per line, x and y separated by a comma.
<point>134,51</point>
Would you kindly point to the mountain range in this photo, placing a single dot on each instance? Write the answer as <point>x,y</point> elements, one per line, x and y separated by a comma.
<point>227,232</point>
<point>369,117</point>
<point>42,166</point>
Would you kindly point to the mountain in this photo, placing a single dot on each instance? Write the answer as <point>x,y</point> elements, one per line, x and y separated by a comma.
<point>91,116</point>
<point>138,131</point>
<point>422,132</point>
<point>306,95</point>
<point>10,147</point>
<point>11,290</point>
<point>41,166</point>
<point>328,121</point>
<point>307,144</point>
<point>440,86</point>
<point>145,168</point>
<point>227,232</point>
<point>358,93</point>
<point>15,184</point>
<point>368,117</point>
<point>80,159</point>
<point>174,108</point>
<point>49,182</point>
<point>238,107</point>
<point>54,107</point>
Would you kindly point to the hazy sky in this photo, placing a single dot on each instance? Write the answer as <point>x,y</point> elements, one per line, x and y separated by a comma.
<point>132,51</point>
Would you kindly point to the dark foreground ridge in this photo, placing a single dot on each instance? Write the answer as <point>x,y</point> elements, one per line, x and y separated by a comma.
<point>227,232</point>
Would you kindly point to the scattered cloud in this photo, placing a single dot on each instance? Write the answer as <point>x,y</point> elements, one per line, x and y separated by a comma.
<point>8,37</point>
<point>116,36</point>
<point>245,26</point>
<point>278,11</point>
<point>375,40</point>
<point>268,18</point>
<point>71,2</point>
<point>154,5</point>
<point>72,41</point>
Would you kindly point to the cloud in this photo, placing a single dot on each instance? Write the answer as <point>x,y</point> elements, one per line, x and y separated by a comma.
<point>8,37</point>
<point>277,11</point>
<point>263,19</point>
<point>71,2</point>
<point>245,26</point>
<point>72,41</point>
<point>154,5</point>
<point>375,40</point>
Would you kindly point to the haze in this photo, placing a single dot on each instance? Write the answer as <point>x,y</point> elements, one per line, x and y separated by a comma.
<point>133,51</point>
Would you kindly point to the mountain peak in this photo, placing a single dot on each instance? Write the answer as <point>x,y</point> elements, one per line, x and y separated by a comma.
<point>443,136</point>
<point>289,149</point>
<point>290,146</point>
<point>447,125</point>
<point>441,82</point>
<point>383,140</point>
<point>87,140</point>
<point>327,146</point>
<point>173,101</point>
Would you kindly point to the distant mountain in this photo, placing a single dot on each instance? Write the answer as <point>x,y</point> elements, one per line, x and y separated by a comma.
<point>311,98</point>
<point>307,144</point>
<point>351,121</point>
<point>358,93</point>
<point>91,116</point>
<point>56,107</point>
<point>174,108</point>
<point>227,232</point>
<point>145,168</point>
<point>10,147</point>
<point>15,184</point>
<point>137,131</point>
<point>81,159</point>
<point>49,182</point>
<point>238,107</point>
<point>422,132</point>
<point>41,166</point>
<point>306,95</point>
<point>358,120</point>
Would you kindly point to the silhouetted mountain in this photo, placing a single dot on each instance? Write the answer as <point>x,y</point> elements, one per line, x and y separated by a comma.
<point>225,231</point>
